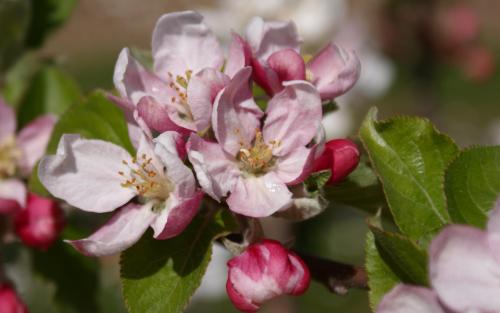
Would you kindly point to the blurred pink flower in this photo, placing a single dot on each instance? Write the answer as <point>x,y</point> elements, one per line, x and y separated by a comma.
<point>341,157</point>
<point>265,271</point>
<point>19,154</point>
<point>254,162</point>
<point>98,176</point>
<point>9,300</point>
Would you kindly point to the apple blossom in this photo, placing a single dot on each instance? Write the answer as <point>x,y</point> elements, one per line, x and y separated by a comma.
<point>341,156</point>
<point>273,50</point>
<point>265,270</point>
<point>254,162</point>
<point>19,154</point>
<point>98,176</point>
<point>10,301</point>
<point>411,299</point>
<point>178,94</point>
<point>40,222</point>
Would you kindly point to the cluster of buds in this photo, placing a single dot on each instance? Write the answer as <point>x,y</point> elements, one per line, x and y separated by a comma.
<point>195,111</point>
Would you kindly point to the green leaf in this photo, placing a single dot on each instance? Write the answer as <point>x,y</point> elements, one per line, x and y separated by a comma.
<point>96,117</point>
<point>473,185</point>
<point>46,16</point>
<point>14,20</point>
<point>316,181</point>
<point>160,276</point>
<point>330,107</point>
<point>75,277</point>
<point>18,78</point>
<point>410,157</point>
<point>404,257</point>
<point>50,91</point>
<point>381,279</point>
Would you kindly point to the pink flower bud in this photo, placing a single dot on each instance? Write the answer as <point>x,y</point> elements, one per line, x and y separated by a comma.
<point>341,156</point>
<point>264,271</point>
<point>39,224</point>
<point>9,301</point>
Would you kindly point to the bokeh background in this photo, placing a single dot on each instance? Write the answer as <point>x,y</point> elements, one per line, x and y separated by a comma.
<point>433,58</point>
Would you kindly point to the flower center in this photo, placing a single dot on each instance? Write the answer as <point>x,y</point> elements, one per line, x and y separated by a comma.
<point>146,179</point>
<point>180,101</point>
<point>259,158</point>
<point>9,155</point>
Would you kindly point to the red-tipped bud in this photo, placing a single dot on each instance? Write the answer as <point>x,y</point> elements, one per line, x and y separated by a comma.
<point>40,223</point>
<point>9,301</point>
<point>341,156</point>
<point>264,271</point>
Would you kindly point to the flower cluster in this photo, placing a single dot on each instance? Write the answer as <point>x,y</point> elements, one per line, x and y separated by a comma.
<point>198,130</point>
<point>464,272</point>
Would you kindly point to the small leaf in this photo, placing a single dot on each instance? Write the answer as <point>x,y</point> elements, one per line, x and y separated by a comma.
<point>473,185</point>
<point>381,279</point>
<point>160,276</point>
<point>50,91</point>
<point>316,181</point>
<point>410,157</point>
<point>330,107</point>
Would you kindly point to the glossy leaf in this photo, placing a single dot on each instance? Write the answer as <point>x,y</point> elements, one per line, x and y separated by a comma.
<point>160,276</point>
<point>410,157</point>
<point>473,185</point>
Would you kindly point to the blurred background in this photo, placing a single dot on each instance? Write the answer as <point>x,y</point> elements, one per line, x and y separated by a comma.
<point>433,58</point>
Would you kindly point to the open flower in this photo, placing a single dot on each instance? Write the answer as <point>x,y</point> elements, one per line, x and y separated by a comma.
<point>179,93</point>
<point>265,271</point>
<point>98,176</point>
<point>273,50</point>
<point>19,154</point>
<point>254,162</point>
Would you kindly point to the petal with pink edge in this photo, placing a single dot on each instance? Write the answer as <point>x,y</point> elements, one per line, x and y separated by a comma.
<point>410,299</point>
<point>7,120</point>
<point>181,42</point>
<point>239,55</point>
<point>123,230</point>
<point>158,116</point>
<point>294,167</point>
<point>288,65</point>
<point>464,271</point>
<point>85,173</point>
<point>266,77</point>
<point>259,196</point>
<point>216,171</point>
<point>236,116</point>
<point>265,38</point>
<point>334,71</point>
<point>12,195</point>
<point>202,90</point>
<point>293,117</point>
<point>32,141</point>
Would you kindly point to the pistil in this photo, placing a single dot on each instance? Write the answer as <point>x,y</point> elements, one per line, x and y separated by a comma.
<point>258,159</point>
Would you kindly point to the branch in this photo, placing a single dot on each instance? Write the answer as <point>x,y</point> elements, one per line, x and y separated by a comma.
<point>337,277</point>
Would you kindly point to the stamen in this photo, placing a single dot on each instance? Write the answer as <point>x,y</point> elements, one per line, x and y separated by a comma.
<point>259,158</point>
<point>9,155</point>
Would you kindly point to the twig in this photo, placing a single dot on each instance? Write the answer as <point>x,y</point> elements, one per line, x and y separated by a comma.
<point>337,277</point>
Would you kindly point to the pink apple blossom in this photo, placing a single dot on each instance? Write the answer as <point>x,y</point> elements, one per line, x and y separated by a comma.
<point>265,271</point>
<point>19,154</point>
<point>178,94</point>
<point>255,162</point>
<point>40,222</point>
<point>98,176</point>
<point>10,301</point>
<point>411,299</point>
<point>272,48</point>
<point>341,157</point>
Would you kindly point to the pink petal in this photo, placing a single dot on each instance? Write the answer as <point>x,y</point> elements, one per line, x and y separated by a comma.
<point>334,71</point>
<point>202,90</point>
<point>293,117</point>
<point>266,77</point>
<point>340,156</point>
<point>12,195</point>
<point>259,196</point>
<point>265,38</point>
<point>123,230</point>
<point>7,120</point>
<point>239,55</point>
<point>180,216</point>
<point>236,116</point>
<point>10,302</point>
<point>494,230</point>
<point>158,116</point>
<point>133,81</point>
<point>464,272</point>
<point>293,168</point>
<point>181,42</point>
<point>32,141</point>
<point>410,299</point>
<point>85,173</point>
<point>288,65</point>
<point>215,170</point>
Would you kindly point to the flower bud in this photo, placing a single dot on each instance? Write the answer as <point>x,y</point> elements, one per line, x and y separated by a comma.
<point>39,224</point>
<point>341,156</point>
<point>264,271</point>
<point>9,301</point>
